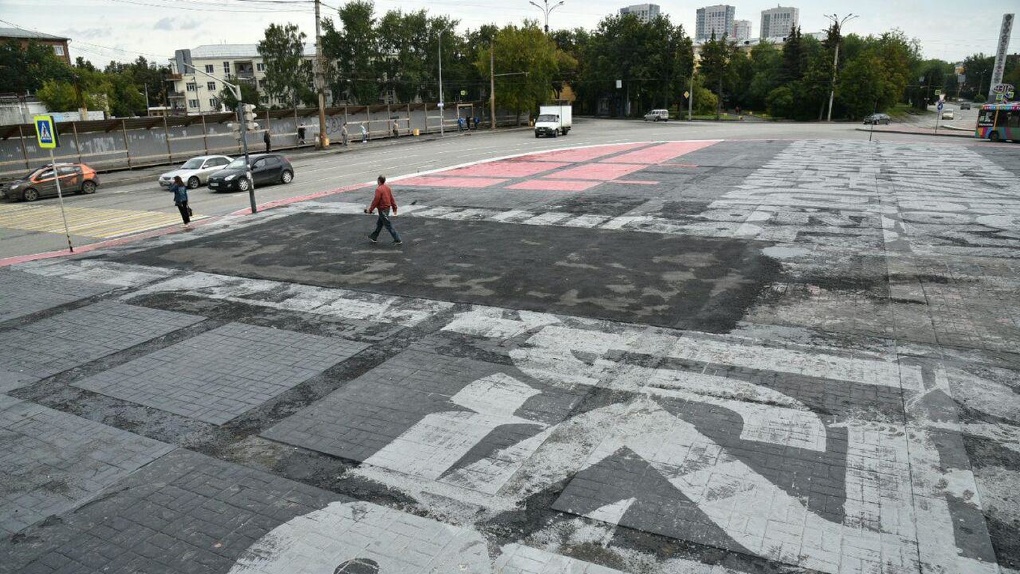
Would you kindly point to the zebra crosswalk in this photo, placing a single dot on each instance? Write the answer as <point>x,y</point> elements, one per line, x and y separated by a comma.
<point>84,221</point>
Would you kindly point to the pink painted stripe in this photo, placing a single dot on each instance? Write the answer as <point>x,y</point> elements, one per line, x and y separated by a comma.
<point>661,153</point>
<point>503,169</point>
<point>550,185</point>
<point>583,154</point>
<point>596,171</point>
<point>439,181</point>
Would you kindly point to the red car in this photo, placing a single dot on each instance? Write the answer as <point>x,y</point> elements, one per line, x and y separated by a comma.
<point>42,182</point>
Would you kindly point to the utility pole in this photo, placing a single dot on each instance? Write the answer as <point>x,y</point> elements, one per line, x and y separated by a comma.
<point>492,84</point>
<point>442,114</point>
<point>838,25</point>
<point>320,81</point>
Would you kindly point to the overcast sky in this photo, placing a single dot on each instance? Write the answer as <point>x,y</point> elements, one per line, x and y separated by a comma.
<point>105,30</point>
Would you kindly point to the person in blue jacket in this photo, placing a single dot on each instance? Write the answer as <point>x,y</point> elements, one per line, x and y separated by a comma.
<point>181,200</point>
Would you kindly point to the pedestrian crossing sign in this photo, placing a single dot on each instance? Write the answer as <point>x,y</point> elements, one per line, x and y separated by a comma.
<point>46,132</point>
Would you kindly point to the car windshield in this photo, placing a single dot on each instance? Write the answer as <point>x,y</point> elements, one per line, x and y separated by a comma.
<point>193,163</point>
<point>548,118</point>
<point>237,164</point>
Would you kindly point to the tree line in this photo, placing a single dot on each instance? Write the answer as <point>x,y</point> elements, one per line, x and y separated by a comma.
<point>623,67</point>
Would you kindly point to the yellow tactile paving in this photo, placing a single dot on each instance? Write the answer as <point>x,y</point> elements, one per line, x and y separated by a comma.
<point>84,221</point>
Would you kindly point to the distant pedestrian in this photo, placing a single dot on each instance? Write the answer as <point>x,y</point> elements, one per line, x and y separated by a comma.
<point>181,200</point>
<point>384,202</point>
<point>301,134</point>
<point>393,128</point>
<point>476,122</point>
<point>344,134</point>
<point>364,134</point>
<point>460,124</point>
<point>269,141</point>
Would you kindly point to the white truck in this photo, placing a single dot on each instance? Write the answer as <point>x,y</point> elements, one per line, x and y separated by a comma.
<point>553,120</point>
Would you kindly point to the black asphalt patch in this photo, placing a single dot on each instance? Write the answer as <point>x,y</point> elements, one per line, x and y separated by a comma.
<point>705,284</point>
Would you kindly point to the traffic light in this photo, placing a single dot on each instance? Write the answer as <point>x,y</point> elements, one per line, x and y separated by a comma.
<point>249,115</point>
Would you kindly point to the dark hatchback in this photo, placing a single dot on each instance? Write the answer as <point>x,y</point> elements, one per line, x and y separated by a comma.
<point>266,168</point>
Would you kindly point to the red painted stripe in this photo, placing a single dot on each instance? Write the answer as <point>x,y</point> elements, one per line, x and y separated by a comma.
<point>582,154</point>
<point>439,181</point>
<point>596,171</point>
<point>661,153</point>
<point>503,169</point>
<point>550,185</point>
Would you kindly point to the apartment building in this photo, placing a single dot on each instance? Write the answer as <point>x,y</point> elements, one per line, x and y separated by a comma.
<point>196,93</point>
<point>23,37</point>
<point>741,30</point>
<point>716,20</point>
<point>776,23</point>
<point>644,12</point>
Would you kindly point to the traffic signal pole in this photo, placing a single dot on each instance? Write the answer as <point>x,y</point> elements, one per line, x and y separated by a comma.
<point>242,119</point>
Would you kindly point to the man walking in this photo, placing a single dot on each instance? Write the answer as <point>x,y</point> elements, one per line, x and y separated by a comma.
<point>384,202</point>
<point>268,141</point>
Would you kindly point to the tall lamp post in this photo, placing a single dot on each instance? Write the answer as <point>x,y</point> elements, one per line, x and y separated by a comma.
<point>838,25</point>
<point>442,114</point>
<point>547,9</point>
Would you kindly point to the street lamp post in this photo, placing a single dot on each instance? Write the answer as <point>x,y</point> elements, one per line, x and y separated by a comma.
<point>838,25</point>
<point>546,10</point>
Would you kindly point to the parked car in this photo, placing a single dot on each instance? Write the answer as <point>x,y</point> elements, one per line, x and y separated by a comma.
<point>947,114</point>
<point>196,171</point>
<point>42,182</point>
<point>964,106</point>
<point>657,115</point>
<point>265,168</point>
<point>877,119</point>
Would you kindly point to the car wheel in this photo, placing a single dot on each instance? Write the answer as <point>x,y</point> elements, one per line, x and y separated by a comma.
<point>30,194</point>
<point>286,176</point>
<point>193,182</point>
<point>243,184</point>
<point>556,133</point>
<point>89,187</point>
<point>994,136</point>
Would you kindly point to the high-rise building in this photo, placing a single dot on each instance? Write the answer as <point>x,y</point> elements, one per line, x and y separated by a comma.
<point>776,23</point>
<point>644,12</point>
<point>741,30</point>
<point>714,19</point>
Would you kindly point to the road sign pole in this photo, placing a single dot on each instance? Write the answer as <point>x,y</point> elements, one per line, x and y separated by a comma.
<point>60,195</point>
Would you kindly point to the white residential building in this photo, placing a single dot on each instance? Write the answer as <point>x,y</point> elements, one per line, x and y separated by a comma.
<point>644,12</point>
<point>194,93</point>
<point>716,20</point>
<point>741,30</point>
<point>778,22</point>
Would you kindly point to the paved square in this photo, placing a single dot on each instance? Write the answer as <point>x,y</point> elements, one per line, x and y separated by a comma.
<point>52,461</point>
<point>223,373</point>
<point>66,340</point>
<point>27,293</point>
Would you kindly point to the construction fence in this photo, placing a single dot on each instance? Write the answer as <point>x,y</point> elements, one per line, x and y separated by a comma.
<point>125,143</point>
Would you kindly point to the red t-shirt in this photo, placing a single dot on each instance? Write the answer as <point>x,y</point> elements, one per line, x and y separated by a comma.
<point>383,199</point>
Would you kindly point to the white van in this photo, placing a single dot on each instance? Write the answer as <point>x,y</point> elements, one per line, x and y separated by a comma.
<point>657,115</point>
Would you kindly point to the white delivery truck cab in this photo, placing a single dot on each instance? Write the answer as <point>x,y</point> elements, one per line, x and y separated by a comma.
<point>553,120</point>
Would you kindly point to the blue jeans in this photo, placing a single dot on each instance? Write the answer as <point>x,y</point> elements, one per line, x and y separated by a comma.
<point>384,221</point>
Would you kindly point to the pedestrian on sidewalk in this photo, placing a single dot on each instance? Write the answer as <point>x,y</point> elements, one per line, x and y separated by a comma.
<point>384,202</point>
<point>364,134</point>
<point>343,134</point>
<point>269,141</point>
<point>181,200</point>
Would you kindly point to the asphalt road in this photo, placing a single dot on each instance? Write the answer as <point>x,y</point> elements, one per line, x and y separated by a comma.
<point>119,210</point>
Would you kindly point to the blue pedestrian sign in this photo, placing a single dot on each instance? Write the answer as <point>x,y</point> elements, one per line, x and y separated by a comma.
<point>46,132</point>
<point>939,106</point>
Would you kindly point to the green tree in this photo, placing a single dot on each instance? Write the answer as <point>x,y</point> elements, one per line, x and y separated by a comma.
<point>978,69</point>
<point>716,55</point>
<point>353,49</point>
<point>765,61</point>
<point>288,73</point>
<point>24,70</point>
<point>249,94</point>
<point>528,57</point>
